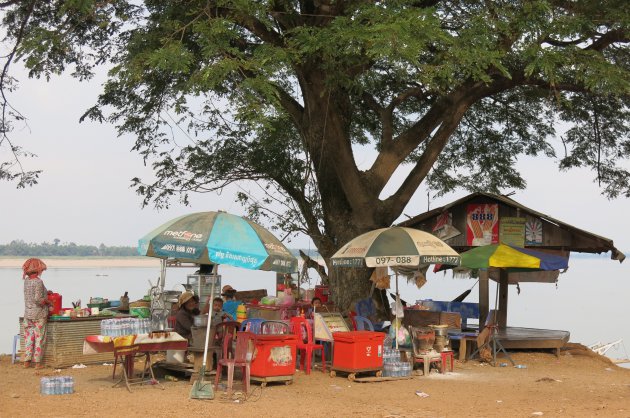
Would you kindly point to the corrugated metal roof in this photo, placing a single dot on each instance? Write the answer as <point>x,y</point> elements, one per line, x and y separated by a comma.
<point>604,244</point>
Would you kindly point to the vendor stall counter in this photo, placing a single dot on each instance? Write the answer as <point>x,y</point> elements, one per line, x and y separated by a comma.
<point>64,341</point>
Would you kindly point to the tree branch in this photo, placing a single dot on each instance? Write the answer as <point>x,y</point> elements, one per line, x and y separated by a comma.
<point>312,264</point>
<point>394,152</point>
<point>248,22</point>
<point>609,38</point>
<point>291,106</point>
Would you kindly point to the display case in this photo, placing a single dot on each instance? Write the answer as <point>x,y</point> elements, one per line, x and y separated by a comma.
<point>201,285</point>
<point>325,324</point>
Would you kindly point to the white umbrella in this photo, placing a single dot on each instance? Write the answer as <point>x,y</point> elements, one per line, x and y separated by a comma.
<point>395,247</point>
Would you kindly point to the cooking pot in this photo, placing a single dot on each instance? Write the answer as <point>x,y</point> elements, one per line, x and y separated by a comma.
<point>171,296</point>
<point>440,330</point>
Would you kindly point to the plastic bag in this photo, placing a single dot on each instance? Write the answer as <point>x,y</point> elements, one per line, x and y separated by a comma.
<point>287,298</point>
<point>397,308</point>
<point>402,336</point>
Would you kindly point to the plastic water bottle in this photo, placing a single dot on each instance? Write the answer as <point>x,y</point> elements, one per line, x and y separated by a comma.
<point>42,385</point>
<point>69,384</point>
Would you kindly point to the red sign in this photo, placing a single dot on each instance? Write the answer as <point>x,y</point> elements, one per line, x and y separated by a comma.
<point>482,224</point>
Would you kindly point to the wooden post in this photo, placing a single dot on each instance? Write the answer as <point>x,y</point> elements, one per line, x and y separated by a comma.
<point>484,298</point>
<point>503,298</point>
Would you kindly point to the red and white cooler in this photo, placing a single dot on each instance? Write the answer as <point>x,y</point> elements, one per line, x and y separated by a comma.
<point>273,358</point>
<point>358,351</point>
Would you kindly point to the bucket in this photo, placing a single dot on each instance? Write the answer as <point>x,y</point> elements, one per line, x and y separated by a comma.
<point>200,320</point>
<point>175,356</point>
<point>55,298</point>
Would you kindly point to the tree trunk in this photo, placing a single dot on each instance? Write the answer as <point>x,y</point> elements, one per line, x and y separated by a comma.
<point>347,285</point>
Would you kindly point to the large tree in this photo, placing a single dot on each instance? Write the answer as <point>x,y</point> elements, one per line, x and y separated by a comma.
<point>288,93</point>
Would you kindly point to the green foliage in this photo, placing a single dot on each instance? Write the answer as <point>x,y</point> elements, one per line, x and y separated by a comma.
<point>20,248</point>
<point>288,96</point>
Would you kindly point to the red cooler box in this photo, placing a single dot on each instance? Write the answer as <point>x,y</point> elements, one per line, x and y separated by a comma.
<point>274,356</point>
<point>358,351</point>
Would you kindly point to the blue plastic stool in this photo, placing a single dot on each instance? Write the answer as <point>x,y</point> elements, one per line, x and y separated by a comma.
<point>16,342</point>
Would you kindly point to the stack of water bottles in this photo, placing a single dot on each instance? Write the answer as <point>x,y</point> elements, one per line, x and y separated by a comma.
<point>117,327</point>
<point>60,385</point>
<point>393,366</point>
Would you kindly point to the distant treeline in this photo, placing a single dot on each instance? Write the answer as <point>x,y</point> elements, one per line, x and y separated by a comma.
<point>56,248</point>
<point>45,249</point>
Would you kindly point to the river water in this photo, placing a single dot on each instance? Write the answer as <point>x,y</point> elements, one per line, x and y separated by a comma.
<point>590,299</point>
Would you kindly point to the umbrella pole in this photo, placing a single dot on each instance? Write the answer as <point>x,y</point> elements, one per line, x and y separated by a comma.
<point>397,326</point>
<point>162,273</point>
<point>201,390</point>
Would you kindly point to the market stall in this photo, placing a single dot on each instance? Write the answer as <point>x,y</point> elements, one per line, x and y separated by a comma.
<point>64,341</point>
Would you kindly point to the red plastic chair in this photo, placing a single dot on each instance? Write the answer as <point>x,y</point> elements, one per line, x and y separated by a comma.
<point>224,335</point>
<point>241,359</point>
<point>300,327</point>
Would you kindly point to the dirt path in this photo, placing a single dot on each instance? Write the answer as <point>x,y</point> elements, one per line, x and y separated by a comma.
<point>575,385</point>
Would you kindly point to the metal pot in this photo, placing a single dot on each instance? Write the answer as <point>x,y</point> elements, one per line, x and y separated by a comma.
<point>423,339</point>
<point>441,337</point>
<point>440,330</point>
<point>200,320</point>
<point>171,295</point>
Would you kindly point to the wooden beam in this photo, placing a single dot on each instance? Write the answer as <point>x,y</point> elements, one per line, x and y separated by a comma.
<point>503,298</point>
<point>484,298</point>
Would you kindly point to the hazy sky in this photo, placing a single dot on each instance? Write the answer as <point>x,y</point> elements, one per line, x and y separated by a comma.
<point>84,197</point>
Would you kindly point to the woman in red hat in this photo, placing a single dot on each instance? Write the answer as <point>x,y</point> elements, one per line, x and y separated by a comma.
<point>35,311</point>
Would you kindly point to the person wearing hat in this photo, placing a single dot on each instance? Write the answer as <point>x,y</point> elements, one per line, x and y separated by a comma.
<point>230,303</point>
<point>35,311</point>
<point>188,308</point>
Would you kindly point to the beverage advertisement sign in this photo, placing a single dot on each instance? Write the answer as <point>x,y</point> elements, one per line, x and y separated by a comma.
<point>482,224</point>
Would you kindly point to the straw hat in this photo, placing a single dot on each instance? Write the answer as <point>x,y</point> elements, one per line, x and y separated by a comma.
<point>185,297</point>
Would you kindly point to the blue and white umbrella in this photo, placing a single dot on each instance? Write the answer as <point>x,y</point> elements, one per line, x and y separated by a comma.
<point>218,238</point>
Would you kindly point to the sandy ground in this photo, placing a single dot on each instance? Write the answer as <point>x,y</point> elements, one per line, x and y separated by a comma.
<point>578,384</point>
<point>85,262</point>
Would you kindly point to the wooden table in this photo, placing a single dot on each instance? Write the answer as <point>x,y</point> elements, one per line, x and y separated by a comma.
<point>146,343</point>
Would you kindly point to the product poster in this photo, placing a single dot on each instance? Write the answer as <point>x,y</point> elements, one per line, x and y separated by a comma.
<point>443,228</point>
<point>533,231</point>
<point>482,224</point>
<point>512,231</point>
